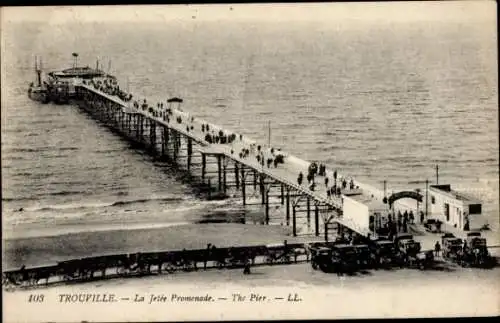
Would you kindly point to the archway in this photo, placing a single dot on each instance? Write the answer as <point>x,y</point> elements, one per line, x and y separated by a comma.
<point>403,194</point>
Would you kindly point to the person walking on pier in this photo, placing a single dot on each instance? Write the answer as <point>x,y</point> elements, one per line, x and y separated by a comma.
<point>326,181</point>
<point>437,249</point>
<point>411,217</point>
<point>300,178</point>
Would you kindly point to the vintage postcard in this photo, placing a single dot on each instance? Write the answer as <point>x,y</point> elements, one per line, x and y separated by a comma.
<point>249,161</point>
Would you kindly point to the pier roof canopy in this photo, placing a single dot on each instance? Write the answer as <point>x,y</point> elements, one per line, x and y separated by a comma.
<point>82,72</point>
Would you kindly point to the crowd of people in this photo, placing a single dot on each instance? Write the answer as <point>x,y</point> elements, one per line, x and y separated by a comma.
<point>217,138</point>
<point>110,86</point>
<point>333,190</point>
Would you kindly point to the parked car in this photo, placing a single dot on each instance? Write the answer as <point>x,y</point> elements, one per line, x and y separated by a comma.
<point>433,225</point>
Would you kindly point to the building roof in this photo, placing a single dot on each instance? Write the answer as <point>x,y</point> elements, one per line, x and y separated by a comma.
<point>83,72</point>
<point>446,190</point>
<point>369,200</point>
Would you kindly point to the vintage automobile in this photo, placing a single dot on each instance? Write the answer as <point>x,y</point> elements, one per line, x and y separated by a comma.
<point>383,253</point>
<point>447,235</point>
<point>475,251</point>
<point>452,249</point>
<point>339,258</point>
<point>398,238</point>
<point>364,256</point>
<point>425,259</point>
<point>320,257</point>
<point>433,225</point>
<point>408,250</point>
<point>347,258</point>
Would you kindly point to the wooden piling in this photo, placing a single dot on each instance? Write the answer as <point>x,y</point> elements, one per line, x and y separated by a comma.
<point>288,206</point>
<point>237,174</point>
<point>203,166</point>
<point>262,193</point>
<point>189,153</point>
<point>243,185</point>
<point>267,206</point>
<point>219,171</point>
<point>224,177</point>
<point>308,212</point>
<point>316,220</point>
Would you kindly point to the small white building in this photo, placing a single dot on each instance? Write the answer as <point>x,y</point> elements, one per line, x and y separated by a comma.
<point>454,208</point>
<point>365,212</point>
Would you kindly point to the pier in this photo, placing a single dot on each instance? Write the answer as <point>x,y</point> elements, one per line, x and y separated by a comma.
<point>230,162</point>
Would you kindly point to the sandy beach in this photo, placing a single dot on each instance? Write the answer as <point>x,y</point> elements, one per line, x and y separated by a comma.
<point>47,250</point>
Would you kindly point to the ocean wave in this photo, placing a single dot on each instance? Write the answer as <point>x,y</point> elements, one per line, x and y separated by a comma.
<point>160,199</point>
<point>39,149</point>
<point>101,205</point>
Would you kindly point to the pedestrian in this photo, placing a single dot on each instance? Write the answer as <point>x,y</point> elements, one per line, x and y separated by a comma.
<point>421,216</point>
<point>437,249</point>
<point>326,181</point>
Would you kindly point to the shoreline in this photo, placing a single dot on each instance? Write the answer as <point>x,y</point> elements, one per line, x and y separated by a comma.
<point>36,251</point>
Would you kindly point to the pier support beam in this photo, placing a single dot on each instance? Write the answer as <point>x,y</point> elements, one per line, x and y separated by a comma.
<point>141,128</point>
<point>288,207</point>
<point>219,171</point>
<point>203,166</point>
<point>262,188</point>
<point>175,144</point>
<point>308,212</point>
<point>152,136</point>
<point>294,221</point>
<point>267,206</point>
<point>237,175</point>
<point>282,194</point>
<point>189,153</point>
<point>316,221</point>
<point>137,127</point>
<point>243,189</point>
<point>224,177</point>
<point>254,180</point>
